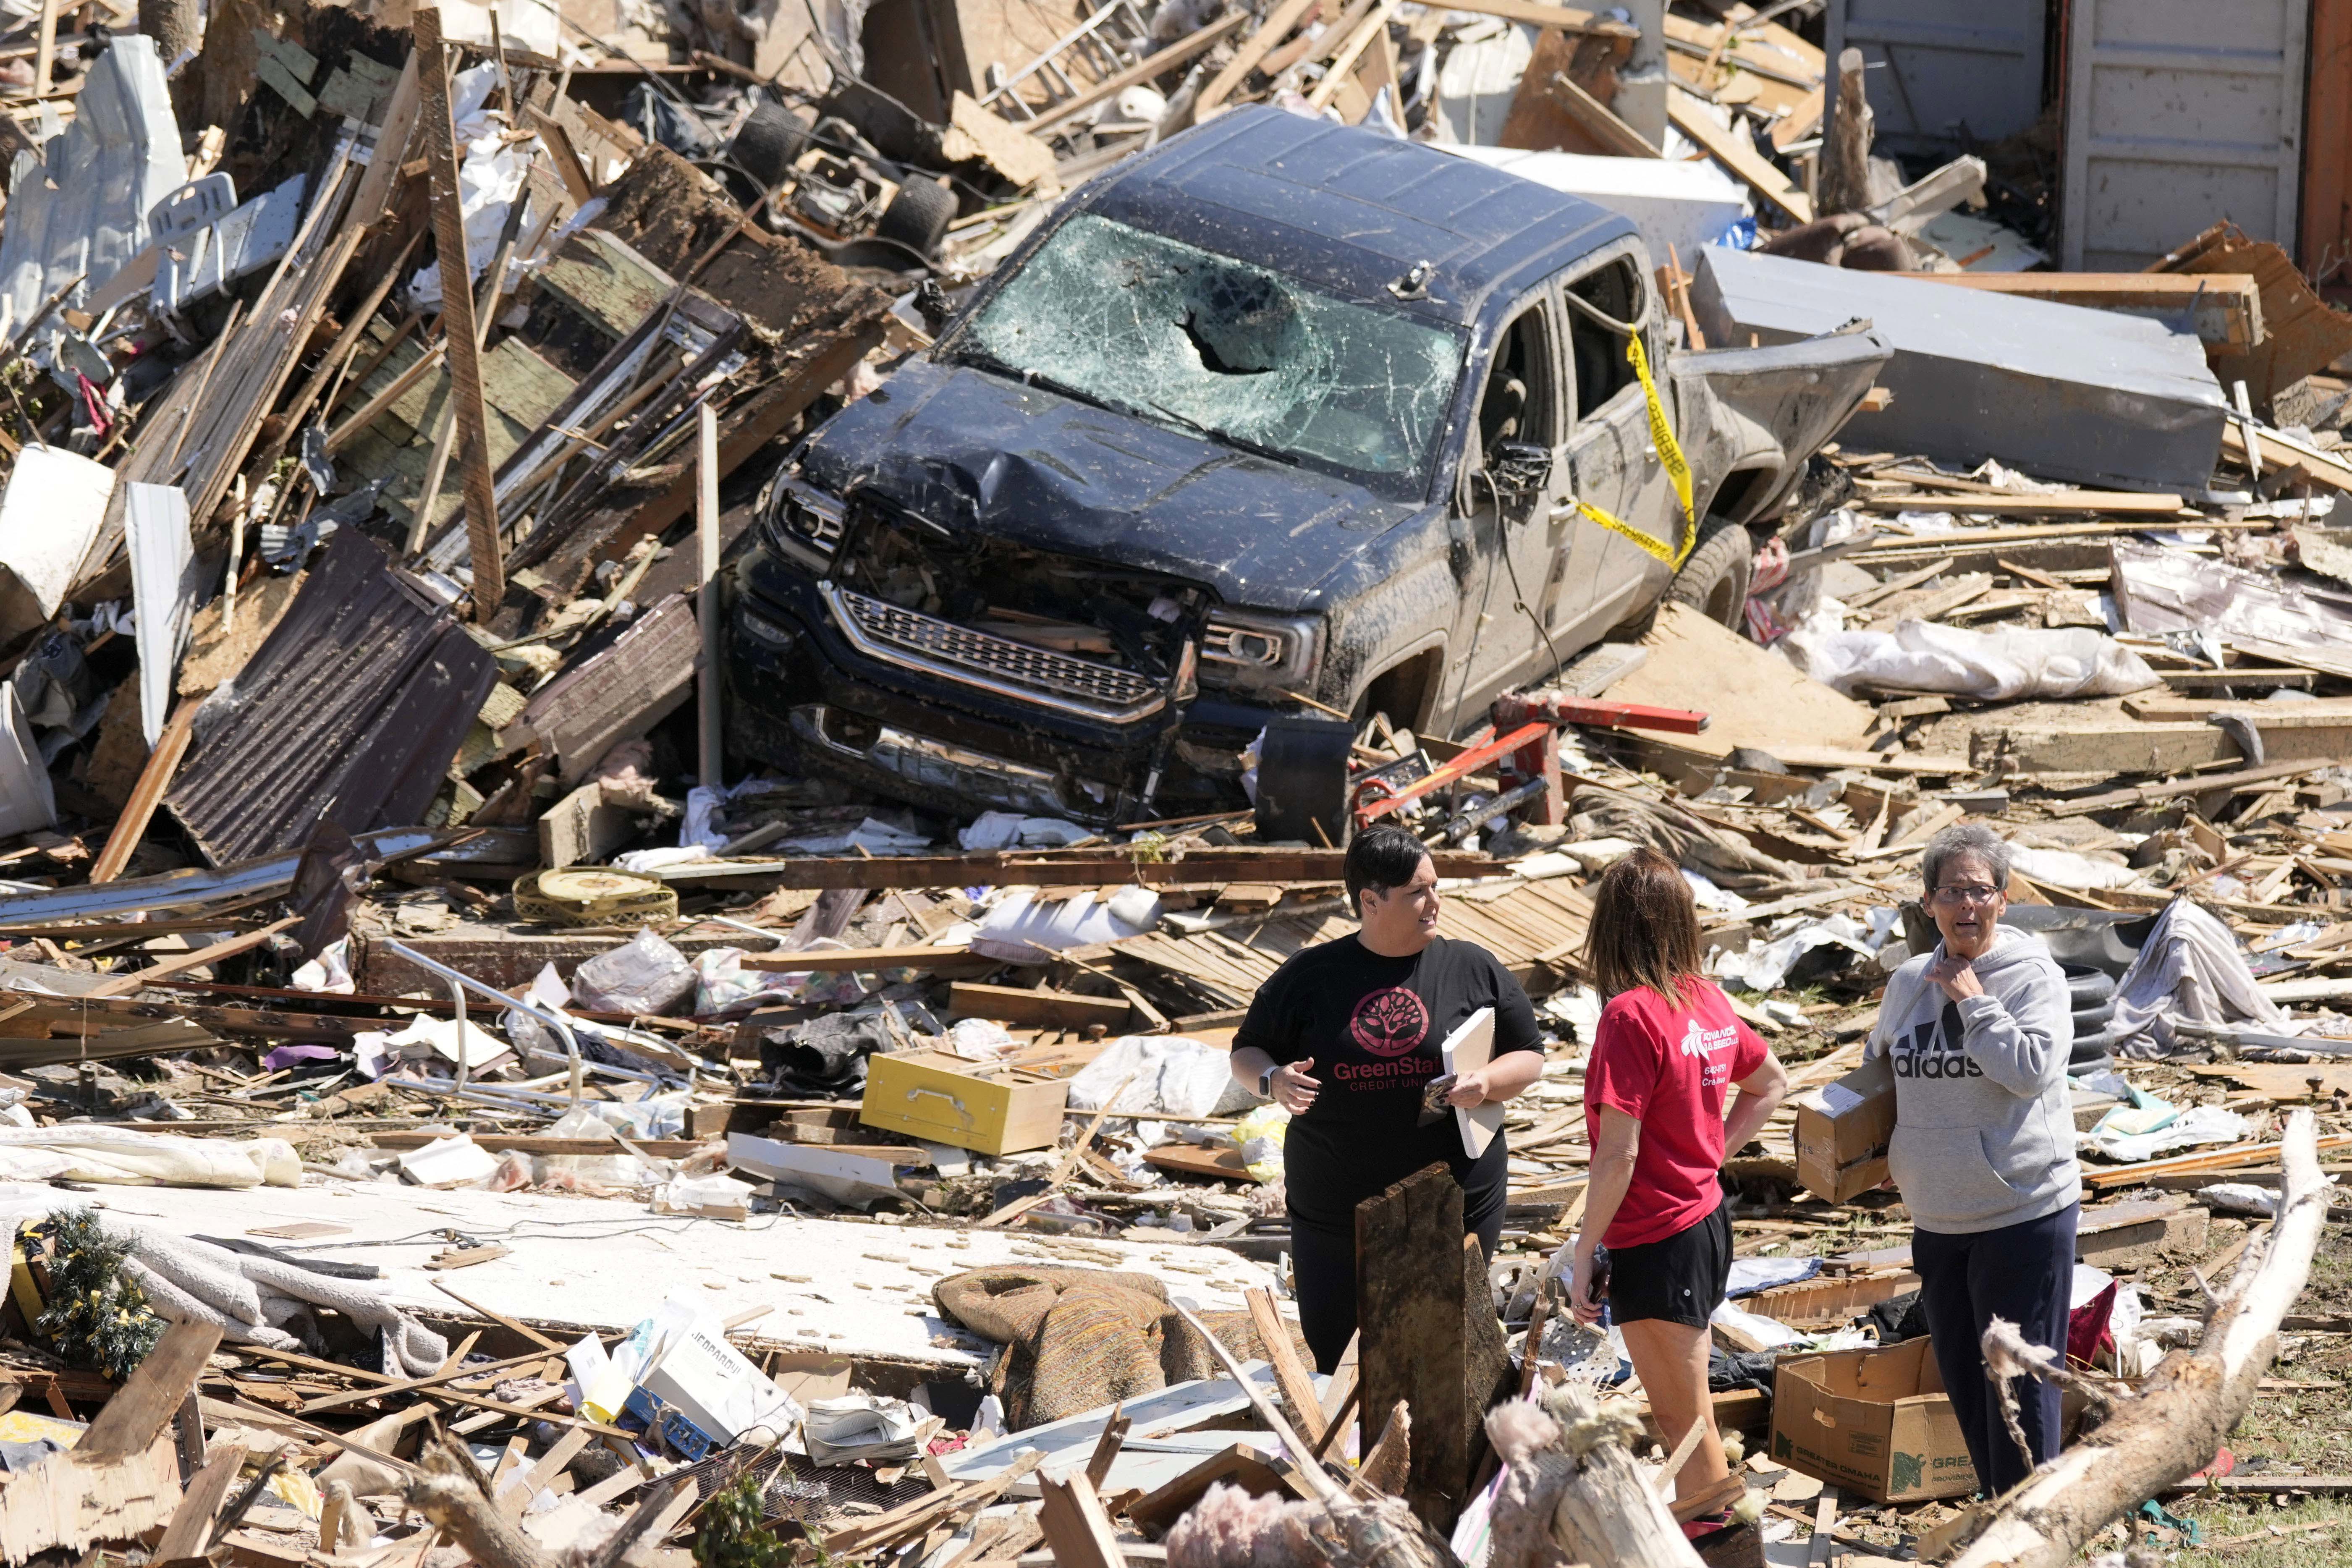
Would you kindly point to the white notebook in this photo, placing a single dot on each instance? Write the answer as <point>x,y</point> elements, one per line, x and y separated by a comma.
<point>1467,1049</point>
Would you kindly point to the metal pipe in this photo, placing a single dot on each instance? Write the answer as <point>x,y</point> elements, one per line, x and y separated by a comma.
<point>553,1020</point>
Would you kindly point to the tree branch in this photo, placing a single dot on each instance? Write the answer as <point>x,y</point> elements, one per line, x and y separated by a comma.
<point>2175,1427</point>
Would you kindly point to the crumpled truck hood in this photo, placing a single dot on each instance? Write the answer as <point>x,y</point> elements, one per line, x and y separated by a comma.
<point>968,450</point>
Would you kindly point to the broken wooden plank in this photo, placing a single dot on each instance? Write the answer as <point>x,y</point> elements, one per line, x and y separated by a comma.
<point>1430,1341</point>
<point>147,793</point>
<point>485,552</point>
<point>1037,1009</point>
<point>1735,153</point>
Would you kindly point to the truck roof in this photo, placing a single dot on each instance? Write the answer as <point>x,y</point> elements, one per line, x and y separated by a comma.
<point>1350,209</point>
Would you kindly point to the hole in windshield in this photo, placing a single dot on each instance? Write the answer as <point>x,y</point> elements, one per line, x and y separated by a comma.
<point>1150,326</point>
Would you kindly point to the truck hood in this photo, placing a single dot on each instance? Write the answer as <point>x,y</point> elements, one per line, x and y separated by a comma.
<point>968,450</point>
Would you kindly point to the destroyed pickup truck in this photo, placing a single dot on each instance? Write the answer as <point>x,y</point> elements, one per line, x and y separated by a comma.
<point>1282,415</point>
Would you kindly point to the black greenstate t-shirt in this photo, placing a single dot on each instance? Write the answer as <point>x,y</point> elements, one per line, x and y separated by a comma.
<point>1374,1026</point>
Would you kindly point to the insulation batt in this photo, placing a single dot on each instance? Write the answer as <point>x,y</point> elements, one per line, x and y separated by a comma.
<point>1230,1529</point>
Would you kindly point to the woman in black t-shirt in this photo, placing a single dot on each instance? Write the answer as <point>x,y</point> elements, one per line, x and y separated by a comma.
<point>1346,1036</point>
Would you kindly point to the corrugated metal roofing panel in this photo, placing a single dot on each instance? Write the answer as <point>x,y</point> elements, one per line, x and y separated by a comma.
<point>350,712</point>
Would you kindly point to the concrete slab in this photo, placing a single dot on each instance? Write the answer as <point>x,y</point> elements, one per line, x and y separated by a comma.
<point>577,1263</point>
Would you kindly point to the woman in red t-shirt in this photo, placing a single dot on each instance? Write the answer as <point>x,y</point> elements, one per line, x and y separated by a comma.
<point>1665,1060</point>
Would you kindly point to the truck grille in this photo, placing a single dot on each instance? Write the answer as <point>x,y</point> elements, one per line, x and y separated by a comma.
<point>917,641</point>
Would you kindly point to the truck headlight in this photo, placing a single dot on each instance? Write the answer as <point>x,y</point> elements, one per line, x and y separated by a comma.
<point>1247,649</point>
<point>805,515</point>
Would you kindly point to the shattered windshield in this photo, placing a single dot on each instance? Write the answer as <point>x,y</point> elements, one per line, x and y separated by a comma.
<point>1165,330</point>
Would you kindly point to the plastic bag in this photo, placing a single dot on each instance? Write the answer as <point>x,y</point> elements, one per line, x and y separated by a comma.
<point>643,977</point>
<point>1261,1135</point>
<point>1164,1075</point>
<point>723,988</point>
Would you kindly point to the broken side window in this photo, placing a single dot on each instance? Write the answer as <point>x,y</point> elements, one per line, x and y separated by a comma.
<point>1516,405</point>
<point>1603,371</point>
<point>1150,326</point>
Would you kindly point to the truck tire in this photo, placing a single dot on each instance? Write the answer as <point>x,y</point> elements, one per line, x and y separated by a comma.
<point>770,139</point>
<point>1714,580</point>
<point>918,216</point>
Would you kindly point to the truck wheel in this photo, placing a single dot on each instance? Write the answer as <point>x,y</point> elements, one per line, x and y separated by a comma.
<point>918,216</point>
<point>771,138</point>
<point>1714,580</point>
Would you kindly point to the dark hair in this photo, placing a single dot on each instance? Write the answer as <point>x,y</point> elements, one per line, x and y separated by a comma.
<point>1381,859</point>
<point>1645,929</point>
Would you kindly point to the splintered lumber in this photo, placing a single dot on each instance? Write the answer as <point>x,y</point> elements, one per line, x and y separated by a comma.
<point>1149,69</point>
<point>1296,1383</point>
<point>2176,1422</point>
<point>1737,153</point>
<point>192,1523</point>
<point>2217,1160</point>
<point>486,553</point>
<point>1430,1336</point>
<point>122,1479</point>
<point>1090,869</point>
<point>1075,1526</point>
<point>1279,24</point>
<point>449,1491</point>
<point>147,793</point>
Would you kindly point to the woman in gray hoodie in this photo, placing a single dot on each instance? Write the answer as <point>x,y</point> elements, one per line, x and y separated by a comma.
<point>1977,1032</point>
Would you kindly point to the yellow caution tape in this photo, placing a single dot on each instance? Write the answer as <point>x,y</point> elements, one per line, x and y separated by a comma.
<point>1678,472</point>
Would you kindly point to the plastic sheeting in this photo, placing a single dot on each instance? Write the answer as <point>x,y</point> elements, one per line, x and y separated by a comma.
<point>1165,1075</point>
<point>2007,665</point>
<point>2188,969</point>
<point>123,1156</point>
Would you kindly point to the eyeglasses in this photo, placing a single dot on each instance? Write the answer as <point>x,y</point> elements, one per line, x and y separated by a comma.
<point>1954,897</point>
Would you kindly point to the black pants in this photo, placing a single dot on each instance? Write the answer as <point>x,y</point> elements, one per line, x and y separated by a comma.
<point>1323,1269</point>
<point>2024,1273</point>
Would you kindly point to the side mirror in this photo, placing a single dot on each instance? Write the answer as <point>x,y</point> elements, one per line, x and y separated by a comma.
<point>1518,468</point>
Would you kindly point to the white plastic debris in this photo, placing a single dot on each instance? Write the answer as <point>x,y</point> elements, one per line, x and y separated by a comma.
<point>2004,664</point>
<point>1164,1075</point>
<point>2188,969</point>
<point>453,1161</point>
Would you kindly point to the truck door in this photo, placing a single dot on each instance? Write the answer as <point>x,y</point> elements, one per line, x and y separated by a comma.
<point>1509,526</point>
<point>1603,578</point>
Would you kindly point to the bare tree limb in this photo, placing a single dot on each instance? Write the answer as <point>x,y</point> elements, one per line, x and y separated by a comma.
<point>2176,1424</point>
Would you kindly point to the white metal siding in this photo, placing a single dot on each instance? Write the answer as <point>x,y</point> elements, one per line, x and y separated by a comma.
<point>1935,66</point>
<point>2179,113</point>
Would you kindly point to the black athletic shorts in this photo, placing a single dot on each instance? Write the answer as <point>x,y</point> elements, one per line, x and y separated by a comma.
<point>1680,1278</point>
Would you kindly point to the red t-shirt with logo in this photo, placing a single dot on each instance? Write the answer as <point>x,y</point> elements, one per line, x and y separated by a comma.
<point>1671,1067</point>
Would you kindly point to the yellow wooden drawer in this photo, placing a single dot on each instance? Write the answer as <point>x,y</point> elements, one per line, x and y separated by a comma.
<point>942,1097</point>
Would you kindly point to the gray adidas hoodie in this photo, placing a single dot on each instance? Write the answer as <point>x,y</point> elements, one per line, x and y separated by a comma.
<point>1983,1134</point>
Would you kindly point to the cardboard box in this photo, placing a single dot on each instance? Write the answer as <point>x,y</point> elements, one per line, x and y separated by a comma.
<point>1843,1130</point>
<point>942,1097</point>
<point>1877,1421</point>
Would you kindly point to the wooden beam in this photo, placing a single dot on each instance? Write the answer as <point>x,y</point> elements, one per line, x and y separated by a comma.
<point>2228,305</point>
<point>1734,152</point>
<point>147,793</point>
<point>1201,869</point>
<point>124,985</point>
<point>1038,1009</point>
<point>1596,118</point>
<point>486,555</point>
<point>1567,18</point>
<point>151,1394</point>
<point>45,49</point>
<point>1429,1339</point>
